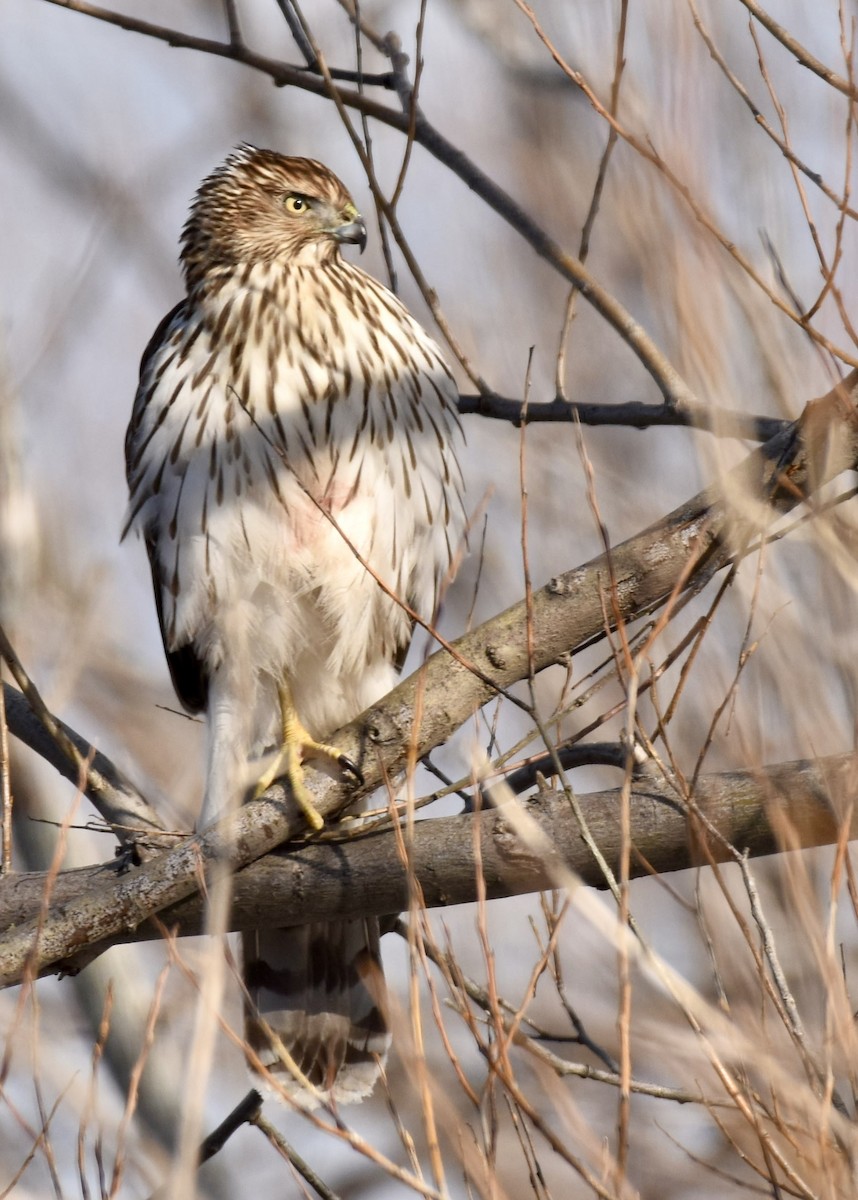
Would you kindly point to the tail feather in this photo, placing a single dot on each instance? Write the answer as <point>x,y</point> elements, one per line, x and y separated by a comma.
<point>314,1008</point>
<point>314,994</point>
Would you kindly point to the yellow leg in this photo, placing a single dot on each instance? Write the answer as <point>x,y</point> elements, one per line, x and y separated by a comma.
<point>297,746</point>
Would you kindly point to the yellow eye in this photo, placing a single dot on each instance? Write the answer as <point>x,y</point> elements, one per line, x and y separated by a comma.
<point>296,204</point>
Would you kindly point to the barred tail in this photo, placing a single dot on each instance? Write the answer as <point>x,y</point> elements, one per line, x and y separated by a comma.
<point>314,1009</point>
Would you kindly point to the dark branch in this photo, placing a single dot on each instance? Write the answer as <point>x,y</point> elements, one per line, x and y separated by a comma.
<point>244,1112</point>
<point>633,415</point>
<point>578,754</point>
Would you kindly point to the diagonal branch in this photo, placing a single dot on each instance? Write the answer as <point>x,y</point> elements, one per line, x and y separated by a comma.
<point>798,51</point>
<point>114,796</point>
<point>689,544</point>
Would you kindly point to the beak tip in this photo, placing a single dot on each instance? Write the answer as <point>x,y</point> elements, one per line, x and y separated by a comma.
<point>352,233</point>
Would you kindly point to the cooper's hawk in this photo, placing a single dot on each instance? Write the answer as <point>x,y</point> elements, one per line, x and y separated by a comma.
<point>286,389</point>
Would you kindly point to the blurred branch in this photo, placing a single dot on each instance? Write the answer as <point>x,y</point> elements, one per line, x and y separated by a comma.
<point>800,52</point>
<point>684,548</point>
<point>795,804</point>
<point>648,151</point>
<point>291,1155</point>
<point>244,1113</point>
<point>293,20</point>
<point>115,798</point>
<point>759,117</point>
<point>233,23</point>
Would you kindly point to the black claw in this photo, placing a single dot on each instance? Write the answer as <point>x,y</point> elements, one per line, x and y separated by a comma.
<point>129,856</point>
<point>351,768</point>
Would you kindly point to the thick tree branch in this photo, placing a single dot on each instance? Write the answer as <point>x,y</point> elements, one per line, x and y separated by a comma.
<point>693,541</point>
<point>790,804</point>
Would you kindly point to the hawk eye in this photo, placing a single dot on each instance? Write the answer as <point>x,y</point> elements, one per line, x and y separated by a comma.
<point>296,204</point>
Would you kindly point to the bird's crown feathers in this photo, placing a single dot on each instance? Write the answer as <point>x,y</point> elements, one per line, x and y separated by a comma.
<point>261,206</point>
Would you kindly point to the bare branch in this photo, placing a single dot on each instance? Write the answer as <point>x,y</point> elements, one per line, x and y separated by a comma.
<point>723,422</point>
<point>799,52</point>
<point>244,1113</point>
<point>364,876</point>
<point>781,143</point>
<point>694,541</point>
<point>115,798</point>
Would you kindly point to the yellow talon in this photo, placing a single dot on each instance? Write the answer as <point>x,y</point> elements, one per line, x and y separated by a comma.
<point>288,762</point>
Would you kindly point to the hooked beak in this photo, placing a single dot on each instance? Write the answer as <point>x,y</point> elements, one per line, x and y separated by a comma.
<point>353,232</point>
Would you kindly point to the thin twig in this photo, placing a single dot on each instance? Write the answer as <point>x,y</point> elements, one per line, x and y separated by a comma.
<point>759,118</point>
<point>534,1045</point>
<point>129,816</point>
<point>800,52</point>
<point>292,1156</point>
<point>233,23</point>
<point>595,200</point>
<point>644,147</point>
<point>246,1112</point>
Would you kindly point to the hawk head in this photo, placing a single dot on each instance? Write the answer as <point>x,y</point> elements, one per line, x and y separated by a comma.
<point>261,207</point>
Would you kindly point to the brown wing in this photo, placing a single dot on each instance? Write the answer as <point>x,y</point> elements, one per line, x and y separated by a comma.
<point>187,672</point>
<point>141,399</point>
